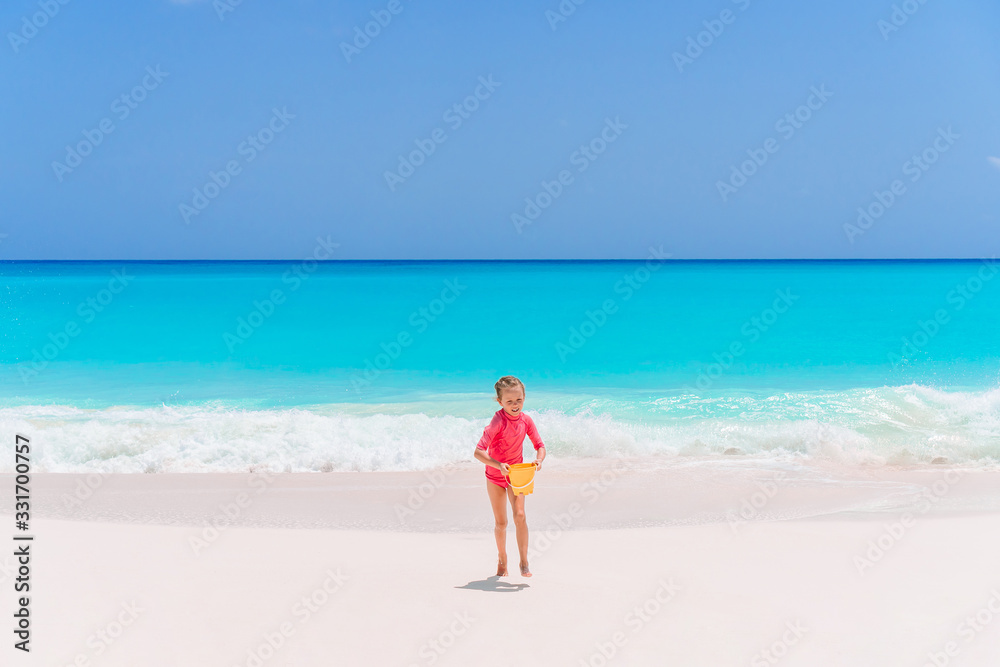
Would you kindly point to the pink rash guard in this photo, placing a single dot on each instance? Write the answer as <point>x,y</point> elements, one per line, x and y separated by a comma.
<point>503,439</point>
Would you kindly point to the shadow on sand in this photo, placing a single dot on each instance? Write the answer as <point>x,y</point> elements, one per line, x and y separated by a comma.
<point>496,584</point>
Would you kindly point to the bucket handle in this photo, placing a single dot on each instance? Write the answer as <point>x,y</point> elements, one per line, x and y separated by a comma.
<point>523,486</point>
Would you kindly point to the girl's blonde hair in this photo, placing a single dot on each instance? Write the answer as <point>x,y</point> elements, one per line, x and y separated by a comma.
<point>508,382</point>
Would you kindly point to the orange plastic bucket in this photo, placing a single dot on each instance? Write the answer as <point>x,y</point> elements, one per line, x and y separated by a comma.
<point>522,477</point>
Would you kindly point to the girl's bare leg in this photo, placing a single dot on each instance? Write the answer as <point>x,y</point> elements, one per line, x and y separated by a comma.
<point>499,505</point>
<point>520,529</point>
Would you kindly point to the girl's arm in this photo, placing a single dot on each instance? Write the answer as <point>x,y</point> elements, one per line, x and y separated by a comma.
<point>536,440</point>
<point>482,447</point>
<point>483,456</point>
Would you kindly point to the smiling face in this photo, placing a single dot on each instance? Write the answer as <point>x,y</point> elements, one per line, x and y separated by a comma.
<point>512,400</point>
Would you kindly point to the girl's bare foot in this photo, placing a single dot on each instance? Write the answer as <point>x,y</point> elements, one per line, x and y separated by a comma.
<point>502,568</point>
<point>524,570</point>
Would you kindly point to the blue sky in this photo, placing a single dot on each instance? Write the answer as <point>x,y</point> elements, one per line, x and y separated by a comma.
<point>336,125</point>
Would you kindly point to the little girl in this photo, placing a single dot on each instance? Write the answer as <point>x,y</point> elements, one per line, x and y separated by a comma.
<point>499,447</point>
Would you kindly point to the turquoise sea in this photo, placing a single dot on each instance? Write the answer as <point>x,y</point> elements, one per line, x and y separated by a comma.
<point>371,365</point>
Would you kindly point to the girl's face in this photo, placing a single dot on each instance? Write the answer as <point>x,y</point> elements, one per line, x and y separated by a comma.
<point>511,400</point>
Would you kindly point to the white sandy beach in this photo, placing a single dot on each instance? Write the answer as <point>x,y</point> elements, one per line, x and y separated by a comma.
<point>643,566</point>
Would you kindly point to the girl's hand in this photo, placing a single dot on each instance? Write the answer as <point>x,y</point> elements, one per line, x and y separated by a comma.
<point>539,457</point>
<point>505,469</point>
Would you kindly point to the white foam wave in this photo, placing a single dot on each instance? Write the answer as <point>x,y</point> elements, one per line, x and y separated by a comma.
<point>889,425</point>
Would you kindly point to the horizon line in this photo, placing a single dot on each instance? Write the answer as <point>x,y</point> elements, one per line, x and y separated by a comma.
<point>506,260</point>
